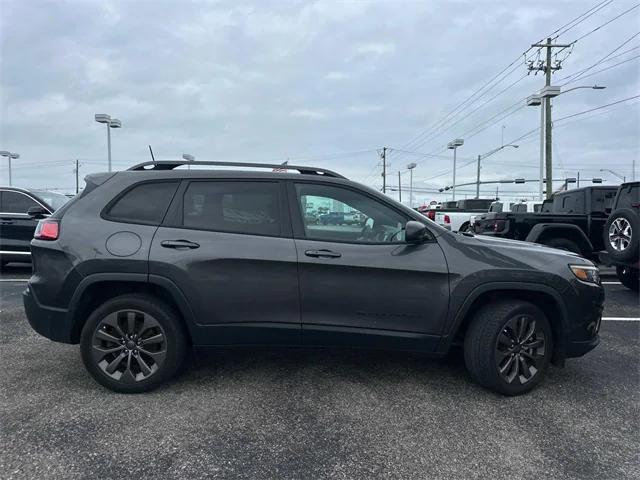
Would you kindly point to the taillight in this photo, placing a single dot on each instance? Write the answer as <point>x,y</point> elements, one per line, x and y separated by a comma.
<point>499,225</point>
<point>431,214</point>
<point>447,219</point>
<point>48,229</point>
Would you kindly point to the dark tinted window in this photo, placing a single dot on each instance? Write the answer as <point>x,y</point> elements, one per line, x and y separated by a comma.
<point>602,200</point>
<point>519,208</point>
<point>475,204</point>
<point>237,207</point>
<point>14,202</point>
<point>144,203</point>
<point>629,196</point>
<point>569,203</point>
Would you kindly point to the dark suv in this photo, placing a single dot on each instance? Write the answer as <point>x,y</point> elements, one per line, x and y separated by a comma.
<point>147,262</point>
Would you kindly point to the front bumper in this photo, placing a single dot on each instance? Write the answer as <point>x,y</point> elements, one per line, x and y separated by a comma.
<point>49,322</point>
<point>585,318</point>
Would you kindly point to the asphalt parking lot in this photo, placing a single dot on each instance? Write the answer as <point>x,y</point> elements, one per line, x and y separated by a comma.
<point>318,413</point>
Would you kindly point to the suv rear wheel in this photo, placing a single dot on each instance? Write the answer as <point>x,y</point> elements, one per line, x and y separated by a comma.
<point>508,347</point>
<point>132,343</point>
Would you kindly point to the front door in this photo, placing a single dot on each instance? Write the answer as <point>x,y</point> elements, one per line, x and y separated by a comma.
<point>227,245</point>
<point>360,283</point>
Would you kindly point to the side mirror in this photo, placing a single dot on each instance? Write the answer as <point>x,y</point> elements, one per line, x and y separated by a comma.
<point>37,212</point>
<point>415,232</point>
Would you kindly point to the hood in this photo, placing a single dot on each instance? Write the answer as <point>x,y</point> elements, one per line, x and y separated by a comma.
<point>521,246</point>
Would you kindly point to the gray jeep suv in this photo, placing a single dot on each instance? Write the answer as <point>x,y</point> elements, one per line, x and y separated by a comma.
<point>148,262</point>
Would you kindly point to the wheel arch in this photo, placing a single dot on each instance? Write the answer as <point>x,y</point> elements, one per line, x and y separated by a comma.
<point>96,289</point>
<point>545,231</point>
<point>545,298</point>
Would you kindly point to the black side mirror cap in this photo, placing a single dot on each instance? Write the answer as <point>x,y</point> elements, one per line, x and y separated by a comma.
<point>37,212</point>
<point>415,232</point>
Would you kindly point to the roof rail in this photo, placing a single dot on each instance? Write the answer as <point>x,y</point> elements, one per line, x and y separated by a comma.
<point>171,164</point>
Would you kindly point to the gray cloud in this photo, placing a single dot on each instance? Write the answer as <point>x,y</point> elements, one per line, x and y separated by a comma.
<point>308,80</point>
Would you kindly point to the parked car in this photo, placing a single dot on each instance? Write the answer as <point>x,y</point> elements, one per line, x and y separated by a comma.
<point>500,206</point>
<point>575,223</point>
<point>20,210</point>
<point>338,218</point>
<point>621,236</point>
<point>457,218</point>
<point>148,262</point>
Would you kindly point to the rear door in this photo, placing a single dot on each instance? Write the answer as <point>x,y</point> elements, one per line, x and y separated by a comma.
<point>227,244</point>
<point>361,284</point>
<point>16,227</point>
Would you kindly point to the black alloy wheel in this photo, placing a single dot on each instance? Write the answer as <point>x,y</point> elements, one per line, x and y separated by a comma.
<point>129,346</point>
<point>519,349</point>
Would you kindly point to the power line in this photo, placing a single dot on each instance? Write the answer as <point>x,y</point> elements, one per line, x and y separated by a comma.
<point>606,23</point>
<point>562,30</point>
<point>576,76</point>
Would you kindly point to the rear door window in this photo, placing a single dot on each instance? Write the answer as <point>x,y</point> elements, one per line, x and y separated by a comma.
<point>145,203</point>
<point>629,196</point>
<point>16,202</point>
<point>236,207</point>
<point>569,203</point>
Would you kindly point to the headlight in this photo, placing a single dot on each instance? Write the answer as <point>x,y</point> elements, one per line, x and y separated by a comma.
<point>586,273</point>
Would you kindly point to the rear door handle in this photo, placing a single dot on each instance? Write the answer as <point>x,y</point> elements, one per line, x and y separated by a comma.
<point>179,244</point>
<point>322,254</point>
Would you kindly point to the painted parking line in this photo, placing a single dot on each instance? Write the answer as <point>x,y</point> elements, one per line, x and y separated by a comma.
<point>611,283</point>
<point>621,319</point>
<point>14,279</point>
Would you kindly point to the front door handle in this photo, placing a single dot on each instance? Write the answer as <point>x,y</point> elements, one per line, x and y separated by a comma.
<point>322,254</point>
<point>179,244</point>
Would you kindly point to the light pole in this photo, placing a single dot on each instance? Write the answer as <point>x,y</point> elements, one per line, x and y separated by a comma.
<point>411,166</point>
<point>10,156</point>
<point>621,177</point>
<point>483,156</point>
<point>535,100</point>
<point>111,123</point>
<point>453,145</point>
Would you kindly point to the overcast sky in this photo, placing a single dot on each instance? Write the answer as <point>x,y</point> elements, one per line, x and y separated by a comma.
<point>322,83</point>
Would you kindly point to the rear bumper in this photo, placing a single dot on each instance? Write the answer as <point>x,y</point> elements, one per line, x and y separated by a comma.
<point>49,322</point>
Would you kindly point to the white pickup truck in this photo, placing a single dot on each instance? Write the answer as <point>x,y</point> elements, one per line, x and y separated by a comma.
<point>457,219</point>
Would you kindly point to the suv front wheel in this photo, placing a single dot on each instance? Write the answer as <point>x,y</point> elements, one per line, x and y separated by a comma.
<point>132,343</point>
<point>508,346</point>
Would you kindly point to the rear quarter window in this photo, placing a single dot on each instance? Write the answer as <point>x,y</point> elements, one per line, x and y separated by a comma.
<point>144,203</point>
<point>628,196</point>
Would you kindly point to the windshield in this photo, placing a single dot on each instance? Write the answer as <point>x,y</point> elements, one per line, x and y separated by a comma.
<point>54,200</point>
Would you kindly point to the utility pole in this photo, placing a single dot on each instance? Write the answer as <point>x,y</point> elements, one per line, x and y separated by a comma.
<point>384,169</point>
<point>399,188</point>
<point>548,69</point>
<point>76,172</point>
<point>578,179</point>
<point>478,178</point>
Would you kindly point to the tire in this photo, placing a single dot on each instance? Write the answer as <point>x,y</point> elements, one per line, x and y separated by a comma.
<point>489,334</point>
<point>563,244</point>
<point>621,235</point>
<point>152,353</point>
<point>629,277</point>
<point>465,227</point>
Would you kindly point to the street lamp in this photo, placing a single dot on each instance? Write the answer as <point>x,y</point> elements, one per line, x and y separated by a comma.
<point>488,154</point>
<point>453,145</point>
<point>621,177</point>
<point>10,156</point>
<point>411,166</point>
<point>111,123</point>
<point>189,158</point>
<point>535,100</point>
